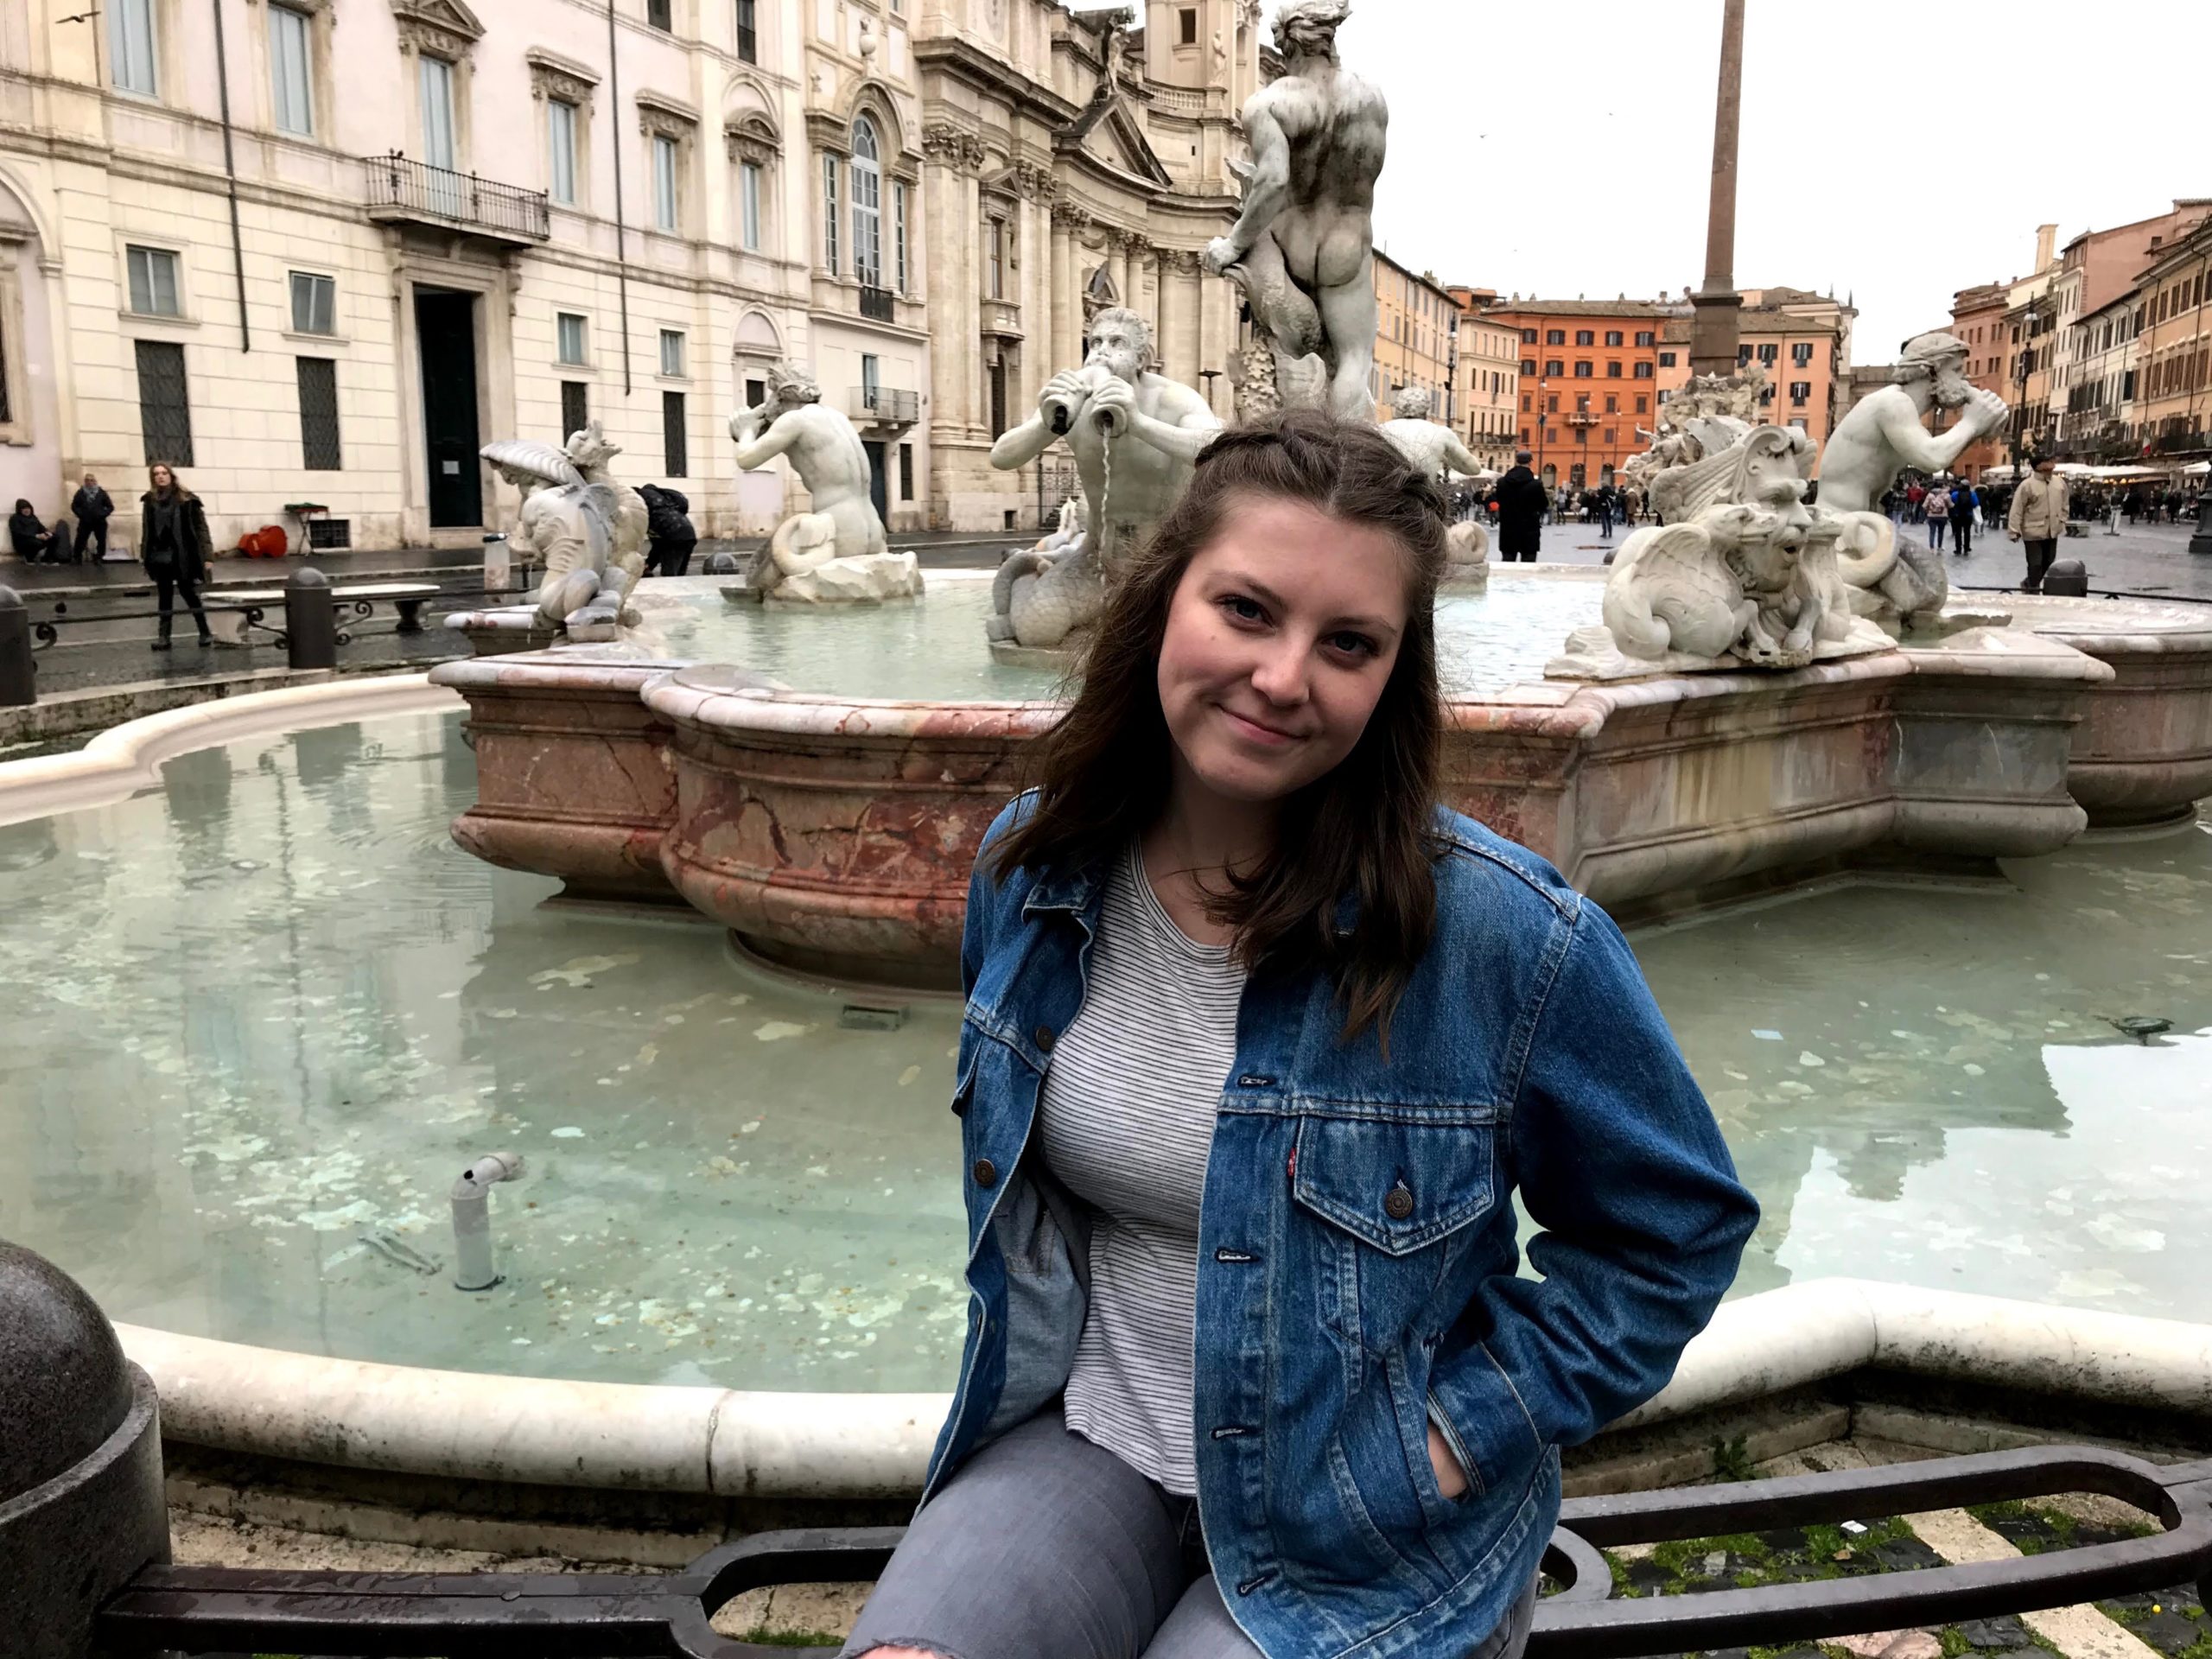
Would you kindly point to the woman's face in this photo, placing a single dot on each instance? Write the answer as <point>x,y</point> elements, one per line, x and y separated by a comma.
<point>1280,639</point>
<point>164,479</point>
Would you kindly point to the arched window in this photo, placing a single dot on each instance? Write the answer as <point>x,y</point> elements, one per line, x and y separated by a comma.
<point>867,204</point>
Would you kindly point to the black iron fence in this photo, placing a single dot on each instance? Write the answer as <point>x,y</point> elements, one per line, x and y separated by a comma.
<point>876,303</point>
<point>395,182</point>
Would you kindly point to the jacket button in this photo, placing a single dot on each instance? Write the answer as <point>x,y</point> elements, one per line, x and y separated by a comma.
<point>986,1172</point>
<point>1043,1035</point>
<point>1400,1203</point>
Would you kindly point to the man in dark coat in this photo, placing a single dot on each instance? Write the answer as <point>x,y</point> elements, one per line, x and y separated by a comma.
<point>92,508</point>
<point>1520,504</point>
<point>669,529</point>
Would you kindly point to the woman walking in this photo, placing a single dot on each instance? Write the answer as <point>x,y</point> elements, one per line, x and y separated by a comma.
<point>173,546</point>
<point>1937,502</point>
<point>1261,1042</point>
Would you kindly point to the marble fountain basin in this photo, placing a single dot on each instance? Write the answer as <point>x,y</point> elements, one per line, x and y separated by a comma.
<point>834,833</point>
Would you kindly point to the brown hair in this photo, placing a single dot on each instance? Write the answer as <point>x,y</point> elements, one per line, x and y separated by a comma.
<point>1365,830</point>
<point>177,482</point>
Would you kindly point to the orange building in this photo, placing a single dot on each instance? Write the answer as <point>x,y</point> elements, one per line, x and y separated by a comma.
<point>1589,376</point>
<point>1415,324</point>
<point>2173,381</point>
<point>1978,319</point>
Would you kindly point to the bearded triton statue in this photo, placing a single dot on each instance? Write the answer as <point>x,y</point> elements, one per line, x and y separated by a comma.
<point>1135,435</point>
<point>1302,248</point>
<point>1742,574</point>
<point>588,530</point>
<point>1880,437</point>
<point>835,552</point>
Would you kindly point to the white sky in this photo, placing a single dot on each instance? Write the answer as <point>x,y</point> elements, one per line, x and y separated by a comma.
<point>1900,149</point>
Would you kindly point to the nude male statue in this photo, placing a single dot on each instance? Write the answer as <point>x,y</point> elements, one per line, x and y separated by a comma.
<point>827,455</point>
<point>1302,246</point>
<point>1882,434</point>
<point>1429,445</point>
<point>1116,405</point>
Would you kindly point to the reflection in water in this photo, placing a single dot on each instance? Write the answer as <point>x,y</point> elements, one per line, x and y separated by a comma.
<point>270,1008</point>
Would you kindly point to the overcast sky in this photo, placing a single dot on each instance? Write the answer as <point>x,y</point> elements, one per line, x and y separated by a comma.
<point>1893,150</point>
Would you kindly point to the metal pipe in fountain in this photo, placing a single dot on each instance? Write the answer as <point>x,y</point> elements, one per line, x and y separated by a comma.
<point>473,1264</point>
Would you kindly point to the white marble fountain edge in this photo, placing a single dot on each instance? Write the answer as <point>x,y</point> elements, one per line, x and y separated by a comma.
<point>736,1442</point>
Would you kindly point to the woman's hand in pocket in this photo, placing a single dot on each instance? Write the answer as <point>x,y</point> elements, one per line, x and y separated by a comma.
<point>1450,1479</point>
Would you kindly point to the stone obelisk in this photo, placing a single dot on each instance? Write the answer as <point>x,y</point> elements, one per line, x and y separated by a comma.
<point>1715,306</point>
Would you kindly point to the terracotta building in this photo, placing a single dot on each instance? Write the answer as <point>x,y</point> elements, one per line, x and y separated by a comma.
<point>2095,269</point>
<point>1589,376</point>
<point>1978,319</point>
<point>1486,379</point>
<point>1415,327</point>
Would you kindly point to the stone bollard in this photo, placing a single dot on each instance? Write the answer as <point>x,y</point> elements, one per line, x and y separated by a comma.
<point>310,620</point>
<point>2067,579</point>
<point>82,1504</point>
<point>18,668</point>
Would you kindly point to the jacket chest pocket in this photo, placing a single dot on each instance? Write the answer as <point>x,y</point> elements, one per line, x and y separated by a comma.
<point>1389,1204</point>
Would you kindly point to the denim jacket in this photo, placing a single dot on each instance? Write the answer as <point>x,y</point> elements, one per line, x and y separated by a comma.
<point>1357,1255</point>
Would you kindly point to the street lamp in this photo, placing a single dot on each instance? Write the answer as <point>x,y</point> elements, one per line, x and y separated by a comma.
<point>1541,416</point>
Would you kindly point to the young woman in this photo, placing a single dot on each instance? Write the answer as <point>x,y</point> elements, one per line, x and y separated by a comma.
<point>1259,1043</point>
<point>173,546</point>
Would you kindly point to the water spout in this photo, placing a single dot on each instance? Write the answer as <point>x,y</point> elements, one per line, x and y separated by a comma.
<point>475,1268</point>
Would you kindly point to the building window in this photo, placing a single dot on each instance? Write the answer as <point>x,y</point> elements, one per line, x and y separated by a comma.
<point>433,90</point>
<point>1613,369</point>
<point>1186,26</point>
<point>314,304</point>
<point>1555,337</point>
<point>1666,360</point>
<point>677,461</point>
<point>1528,365</point>
<point>1528,336</point>
<point>656,15</point>
<point>898,232</point>
<point>569,339</point>
<point>1552,365</point>
<point>561,139</point>
<point>663,182</point>
<point>1643,404</point>
<point>867,204</point>
<point>1768,354</point>
<point>748,40</point>
<point>1643,337</point>
<point>130,46</point>
<point>319,414</point>
<point>1802,353</point>
<point>1643,370</point>
<point>1585,337</point>
<point>871,377</point>
<point>1613,336</point>
<point>671,352</point>
<point>749,201</point>
<point>290,56</point>
<point>1551,403</point>
<point>1800,392</point>
<point>1612,435</point>
<point>906,471</point>
<point>1612,405</point>
<point>1584,370</point>
<point>1527,402</point>
<point>164,404</point>
<point>153,282</point>
<point>575,407</point>
<point>829,211</point>
<point>995,259</point>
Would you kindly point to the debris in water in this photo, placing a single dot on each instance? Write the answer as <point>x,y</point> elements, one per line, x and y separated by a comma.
<point>2141,1027</point>
<point>389,1245</point>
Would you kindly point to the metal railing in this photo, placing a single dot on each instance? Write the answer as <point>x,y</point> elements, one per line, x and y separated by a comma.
<point>398,183</point>
<point>495,1616</point>
<point>876,302</point>
<point>885,407</point>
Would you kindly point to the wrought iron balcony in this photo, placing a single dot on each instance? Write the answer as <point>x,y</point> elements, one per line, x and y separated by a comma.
<point>881,406</point>
<point>405,191</point>
<point>876,303</point>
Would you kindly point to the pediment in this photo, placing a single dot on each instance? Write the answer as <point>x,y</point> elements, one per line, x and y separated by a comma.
<point>1108,133</point>
<point>440,23</point>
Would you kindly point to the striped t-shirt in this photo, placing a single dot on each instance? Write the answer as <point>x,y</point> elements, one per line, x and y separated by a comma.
<point>1127,1113</point>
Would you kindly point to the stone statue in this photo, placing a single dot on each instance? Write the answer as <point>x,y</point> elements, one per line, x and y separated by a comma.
<point>1712,413</point>
<point>1466,556</point>
<point>1135,433</point>
<point>1429,445</point>
<point>1303,243</point>
<point>835,552</point>
<point>1047,597</point>
<point>1742,575</point>
<point>588,530</point>
<point>1882,436</point>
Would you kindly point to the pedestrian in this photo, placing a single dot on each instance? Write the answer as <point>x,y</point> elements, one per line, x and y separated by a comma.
<point>175,547</point>
<point>1914,495</point>
<point>1936,502</point>
<point>32,541</point>
<point>2038,519</point>
<point>1519,500</point>
<point>1235,865</point>
<point>1890,502</point>
<point>1604,499</point>
<point>670,531</point>
<point>1963,504</point>
<point>92,509</point>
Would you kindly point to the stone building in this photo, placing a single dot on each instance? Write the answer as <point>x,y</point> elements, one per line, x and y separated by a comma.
<point>2172,410</point>
<point>2096,269</point>
<point>1802,340</point>
<point>1486,377</point>
<point>1415,321</point>
<point>1068,164</point>
<point>417,226</point>
<point>1589,376</point>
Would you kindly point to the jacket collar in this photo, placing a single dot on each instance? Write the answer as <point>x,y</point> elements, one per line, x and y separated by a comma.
<point>1076,890</point>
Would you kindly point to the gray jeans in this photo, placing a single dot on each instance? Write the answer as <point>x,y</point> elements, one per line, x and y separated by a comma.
<point>1047,1547</point>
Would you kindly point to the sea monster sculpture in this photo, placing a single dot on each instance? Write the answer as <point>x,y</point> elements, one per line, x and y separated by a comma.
<point>1047,596</point>
<point>588,530</point>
